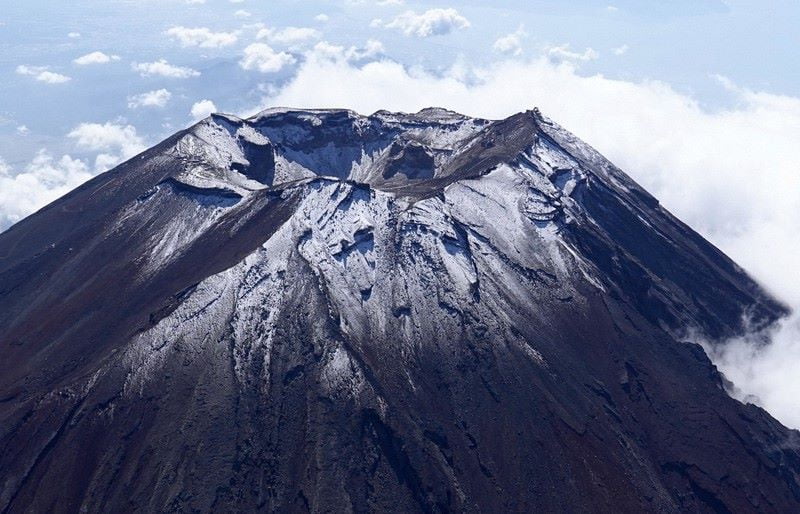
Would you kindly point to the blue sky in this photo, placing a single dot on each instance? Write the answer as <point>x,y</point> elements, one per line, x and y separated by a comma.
<point>698,100</point>
<point>680,42</point>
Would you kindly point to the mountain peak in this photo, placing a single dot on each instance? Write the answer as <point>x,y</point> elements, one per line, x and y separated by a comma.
<point>407,153</point>
<point>388,312</point>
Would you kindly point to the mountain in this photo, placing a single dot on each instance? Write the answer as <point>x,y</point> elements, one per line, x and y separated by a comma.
<point>313,310</point>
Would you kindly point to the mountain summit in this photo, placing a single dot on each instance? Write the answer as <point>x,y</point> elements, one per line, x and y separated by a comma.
<point>314,310</point>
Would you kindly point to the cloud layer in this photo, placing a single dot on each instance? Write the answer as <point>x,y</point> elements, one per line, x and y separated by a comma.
<point>46,178</point>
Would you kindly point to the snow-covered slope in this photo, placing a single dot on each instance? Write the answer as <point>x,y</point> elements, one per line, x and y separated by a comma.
<point>315,310</point>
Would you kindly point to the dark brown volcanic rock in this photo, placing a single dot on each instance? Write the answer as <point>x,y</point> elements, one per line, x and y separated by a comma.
<point>319,311</point>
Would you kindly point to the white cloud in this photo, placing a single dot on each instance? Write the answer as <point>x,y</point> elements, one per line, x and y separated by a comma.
<point>261,57</point>
<point>372,48</point>
<point>155,98</point>
<point>764,368</point>
<point>202,109</point>
<point>107,136</point>
<point>322,18</point>
<point>201,37</point>
<point>74,35</point>
<point>236,1</point>
<point>114,142</point>
<point>241,13</point>
<point>730,174</point>
<point>42,74</point>
<point>95,58</point>
<point>289,36</point>
<point>23,130</point>
<point>164,69</point>
<point>50,77</point>
<point>327,51</point>
<point>433,22</point>
<point>563,53</point>
<point>620,50</point>
<point>194,2</point>
<point>43,180</point>
<point>511,44</point>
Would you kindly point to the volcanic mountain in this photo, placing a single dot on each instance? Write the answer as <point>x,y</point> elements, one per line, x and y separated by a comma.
<point>318,311</point>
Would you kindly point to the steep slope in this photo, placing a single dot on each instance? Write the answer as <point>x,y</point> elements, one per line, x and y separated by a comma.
<point>316,310</point>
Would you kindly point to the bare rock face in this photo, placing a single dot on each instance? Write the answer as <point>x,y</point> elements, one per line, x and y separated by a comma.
<point>320,311</point>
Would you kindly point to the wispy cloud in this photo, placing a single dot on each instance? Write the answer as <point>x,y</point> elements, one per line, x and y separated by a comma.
<point>620,50</point>
<point>201,37</point>
<point>564,53</point>
<point>42,74</point>
<point>155,98</point>
<point>289,36</point>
